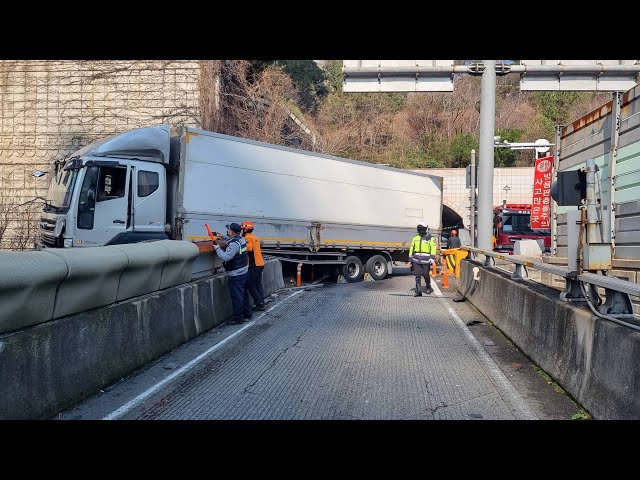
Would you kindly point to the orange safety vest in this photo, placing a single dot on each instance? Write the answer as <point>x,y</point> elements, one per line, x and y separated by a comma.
<point>253,247</point>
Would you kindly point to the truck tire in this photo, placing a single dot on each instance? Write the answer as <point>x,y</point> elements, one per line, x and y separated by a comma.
<point>377,267</point>
<point>352,270</point>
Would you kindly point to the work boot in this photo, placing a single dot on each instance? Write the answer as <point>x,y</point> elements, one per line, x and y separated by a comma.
<point>259,308</point>
<point>417,294</point>
<point>428,290</point>
<point>235,321</point>
<point>247,316</point>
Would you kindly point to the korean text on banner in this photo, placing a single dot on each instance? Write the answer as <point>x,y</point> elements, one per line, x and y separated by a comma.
<point>541,204</point>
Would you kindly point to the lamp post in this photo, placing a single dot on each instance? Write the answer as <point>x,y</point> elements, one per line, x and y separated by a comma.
<point>541,146</point>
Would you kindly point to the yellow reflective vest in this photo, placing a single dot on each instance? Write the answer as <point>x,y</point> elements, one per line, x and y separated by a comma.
<point>422,247</point>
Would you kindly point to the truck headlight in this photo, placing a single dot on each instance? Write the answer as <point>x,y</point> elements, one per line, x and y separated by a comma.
<point>68,242</point>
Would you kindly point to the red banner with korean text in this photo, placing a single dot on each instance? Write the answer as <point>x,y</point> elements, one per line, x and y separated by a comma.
<point>541,204</point>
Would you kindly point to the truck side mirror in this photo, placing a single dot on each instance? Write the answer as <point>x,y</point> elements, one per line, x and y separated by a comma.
<point>74,164</point>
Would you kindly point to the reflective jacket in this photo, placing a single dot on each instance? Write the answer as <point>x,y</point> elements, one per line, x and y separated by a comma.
<point>422,248</point>
<point>253,247</point>
<point>235,257</point>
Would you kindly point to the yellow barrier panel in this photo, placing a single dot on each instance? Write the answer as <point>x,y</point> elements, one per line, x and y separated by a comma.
<point>455,255</point>
<point>451,263</point>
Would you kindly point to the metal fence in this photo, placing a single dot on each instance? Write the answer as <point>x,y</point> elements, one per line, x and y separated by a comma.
<point>579,287</point>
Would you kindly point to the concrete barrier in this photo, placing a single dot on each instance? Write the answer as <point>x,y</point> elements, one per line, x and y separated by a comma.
<point>596,361</point>
<point>177,270</point>
<point>47,368</point>
<point>28,283</point>
<point>92,279</point>
<point>272,279</point>
<point>145,262</point>
<point>36,287</point>
<point>528,247</point>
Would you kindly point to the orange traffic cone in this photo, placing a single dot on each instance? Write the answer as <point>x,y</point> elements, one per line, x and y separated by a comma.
<point>434,272</point>
<point>299,275</point>
<point>445,278</point>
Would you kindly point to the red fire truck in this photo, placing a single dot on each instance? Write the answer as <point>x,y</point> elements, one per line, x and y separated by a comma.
<point>511,222</point>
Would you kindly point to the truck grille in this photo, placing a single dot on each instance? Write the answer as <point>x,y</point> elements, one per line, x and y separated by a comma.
<point>46,231</point>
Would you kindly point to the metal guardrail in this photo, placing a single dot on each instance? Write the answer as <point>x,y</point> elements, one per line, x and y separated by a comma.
<point>617,301</point>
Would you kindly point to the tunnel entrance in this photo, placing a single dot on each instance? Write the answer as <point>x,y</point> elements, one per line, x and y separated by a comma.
<point>451,219</point>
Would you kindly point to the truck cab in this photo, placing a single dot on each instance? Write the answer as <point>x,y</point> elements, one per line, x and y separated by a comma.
<point>110,192</point>
<point>511,222</point>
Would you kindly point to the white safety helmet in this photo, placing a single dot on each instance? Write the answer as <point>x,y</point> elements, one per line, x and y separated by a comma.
<point>423,225</point>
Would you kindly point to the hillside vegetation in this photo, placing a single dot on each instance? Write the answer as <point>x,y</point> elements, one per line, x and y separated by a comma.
<point>406,130</point>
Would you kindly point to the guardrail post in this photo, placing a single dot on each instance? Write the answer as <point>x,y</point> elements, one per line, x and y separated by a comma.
<point>520,273</point>
<point>617,304</point>
<point>572,291</point>
<point>489,261</point>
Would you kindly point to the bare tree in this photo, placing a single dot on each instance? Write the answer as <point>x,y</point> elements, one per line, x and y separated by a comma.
<point>260,107</point>
<point>18,221</point>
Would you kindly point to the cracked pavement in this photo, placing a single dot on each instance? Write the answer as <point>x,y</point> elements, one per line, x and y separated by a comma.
<point>367,350</point>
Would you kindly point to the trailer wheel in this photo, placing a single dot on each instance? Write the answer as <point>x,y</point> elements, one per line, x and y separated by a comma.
<point>377,267</point>
<point>352,270</point>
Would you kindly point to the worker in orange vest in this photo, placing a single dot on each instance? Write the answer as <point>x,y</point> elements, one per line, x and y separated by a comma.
<point>253,287</point>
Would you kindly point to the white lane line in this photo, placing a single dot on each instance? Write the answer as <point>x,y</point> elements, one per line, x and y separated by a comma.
<point>150,391</point>
<point>522,410</point>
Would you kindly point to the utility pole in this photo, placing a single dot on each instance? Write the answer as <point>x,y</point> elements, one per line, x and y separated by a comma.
<point>485,162</point>
<point>472,199</point>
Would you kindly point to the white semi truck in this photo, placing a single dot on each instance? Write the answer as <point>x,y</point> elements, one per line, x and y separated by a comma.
<point>158,183</point>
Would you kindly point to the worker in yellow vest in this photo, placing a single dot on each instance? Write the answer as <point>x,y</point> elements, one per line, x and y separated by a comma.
<point>422,255</point>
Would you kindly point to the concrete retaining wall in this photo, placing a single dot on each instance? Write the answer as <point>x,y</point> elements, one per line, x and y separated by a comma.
<point>51,108</point>
<point>595,360</point>
<point>49,367</point>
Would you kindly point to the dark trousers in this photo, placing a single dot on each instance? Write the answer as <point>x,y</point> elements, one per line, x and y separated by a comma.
<point>421,270</point>
<point>236,289</point>
<point>253,289</point>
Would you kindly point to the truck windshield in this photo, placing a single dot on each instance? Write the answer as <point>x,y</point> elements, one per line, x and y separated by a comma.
<point>61,188</point>
<point>516,224</point>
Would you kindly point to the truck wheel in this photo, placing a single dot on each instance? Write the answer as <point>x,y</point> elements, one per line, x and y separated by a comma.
<point>352,270</point>
<point>377,267</point>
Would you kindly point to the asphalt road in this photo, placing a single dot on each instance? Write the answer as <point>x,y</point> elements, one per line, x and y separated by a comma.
<point>367,350</point>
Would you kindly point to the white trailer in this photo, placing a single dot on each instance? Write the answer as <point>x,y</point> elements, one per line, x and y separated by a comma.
<point>307,207</point>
